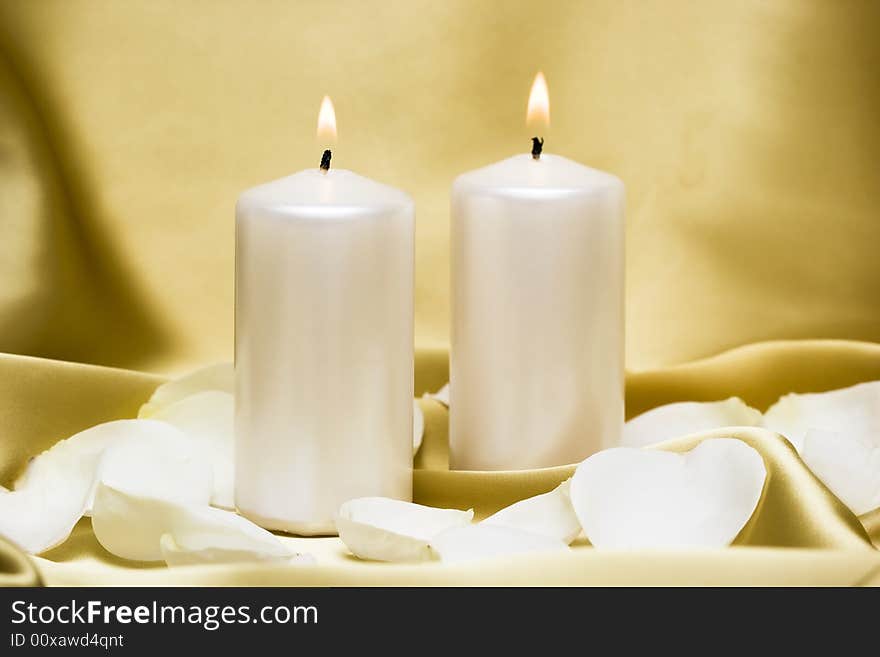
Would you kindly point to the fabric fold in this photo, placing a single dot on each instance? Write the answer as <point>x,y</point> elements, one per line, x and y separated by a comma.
<point>45,401</point>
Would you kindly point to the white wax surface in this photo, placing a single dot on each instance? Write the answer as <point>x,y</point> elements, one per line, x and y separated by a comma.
<point>324,347</point>
<point>537,314</point>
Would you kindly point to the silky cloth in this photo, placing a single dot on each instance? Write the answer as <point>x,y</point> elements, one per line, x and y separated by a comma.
<point>746,134</point>
<point>799,534</point>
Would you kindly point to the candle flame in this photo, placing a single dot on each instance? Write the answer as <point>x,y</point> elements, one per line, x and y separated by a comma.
<point>538,115</point>
<point>327,121</point>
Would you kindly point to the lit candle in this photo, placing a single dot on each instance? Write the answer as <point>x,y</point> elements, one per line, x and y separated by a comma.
<point>323,345</point>
<point>537,310</point>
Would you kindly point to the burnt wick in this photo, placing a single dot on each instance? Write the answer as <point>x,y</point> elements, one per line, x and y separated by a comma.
<point>537,147</point>
<point>325,160</point>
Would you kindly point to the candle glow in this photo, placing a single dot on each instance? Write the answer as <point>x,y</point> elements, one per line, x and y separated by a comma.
<point>538,113</point>
<point>327,121</point>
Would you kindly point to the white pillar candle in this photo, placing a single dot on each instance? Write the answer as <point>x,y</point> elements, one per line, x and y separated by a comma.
<point>537,314</point>
<point>323,347</point>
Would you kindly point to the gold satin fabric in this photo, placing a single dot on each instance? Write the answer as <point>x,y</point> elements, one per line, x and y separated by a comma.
<point>800,533</point>
<point>746,133</point>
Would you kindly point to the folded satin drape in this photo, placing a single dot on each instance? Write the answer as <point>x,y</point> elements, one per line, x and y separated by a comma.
<point>48,400</point>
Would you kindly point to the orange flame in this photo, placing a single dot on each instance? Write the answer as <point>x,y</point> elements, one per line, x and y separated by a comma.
<point>538,114</point>
<point>327,121</point>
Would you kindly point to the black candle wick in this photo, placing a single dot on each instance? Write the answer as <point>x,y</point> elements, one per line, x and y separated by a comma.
<point>537,147</point>
<point>325,160</point>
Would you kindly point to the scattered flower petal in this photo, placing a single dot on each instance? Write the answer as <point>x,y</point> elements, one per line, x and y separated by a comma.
<point>550,514</point>
<point>57,487</point>
<point>38,519</point>
<point>228,547</point>
<point>418,426</point>
<point>382,529</point>
<point>220,376</point>
<point>849,464</point>
<point>851,412</point>
<point>73,462</point>
<point>208,419</point>
<point>630,498</point>
<point>441,396</point>
<point>177,555</point>
<point>131,526</point>
<point>483,541</point>
<point>165,465</point>
<point>682,418</point>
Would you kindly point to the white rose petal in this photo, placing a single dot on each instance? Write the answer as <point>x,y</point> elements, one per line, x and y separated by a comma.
<point>629,498</point>
<point>208,419</point>
<point>853,412</point>
<point>483,541</point>
<point>441,396</point>
<point>550,514</point>
<point>382,529</point>
<point>848,464</point>
<point>167,465</point>
<point>57,487</point>
<point>220,377</point>
<point>74,457</point>
<point>683,418</point>
<point>176,555</point>
<point>38,519</point>
<point>131,526</point>
<point>418,427</point>
<point>73,462</point>
<point>179,555</point>
<point>140,484</point>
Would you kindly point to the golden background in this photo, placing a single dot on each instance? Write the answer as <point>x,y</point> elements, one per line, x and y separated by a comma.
<point>748,135</point>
